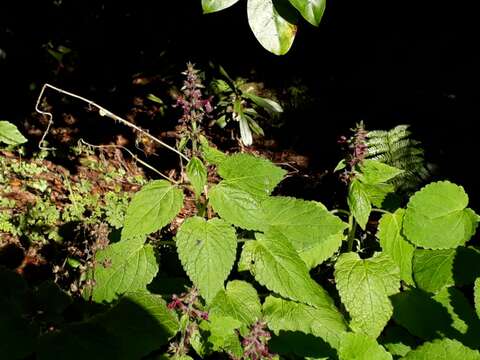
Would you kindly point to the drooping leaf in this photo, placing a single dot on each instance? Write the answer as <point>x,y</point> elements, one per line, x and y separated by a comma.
<point>437,217</point>
<point>153,207</point>
<point>272,31</point>
<point>359,203</point>
<point>394,244</point>
<point>311,10</point>
<point>397,340</point>
<point>207,250</point>
<point>239,300</point>
<point>364,287</point>
<point>125,266</point>
<point>210,6</point>
<point>476,295</point>
<point>10,135</point>
<point>360,346</point>
<point>442,349</point>
<point>197,174</point>
<point>326,322</point>
<point>267,104</point>
<point>251,174</point>
<point>274,263</point>
<point>373,172</point>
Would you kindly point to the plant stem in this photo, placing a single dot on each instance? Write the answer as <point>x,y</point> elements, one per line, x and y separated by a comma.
<point>352,224</point>
<point>381,211</point>
<point>340,211</point>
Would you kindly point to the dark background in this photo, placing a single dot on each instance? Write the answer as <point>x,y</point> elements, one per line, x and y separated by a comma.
<point>387,63</point>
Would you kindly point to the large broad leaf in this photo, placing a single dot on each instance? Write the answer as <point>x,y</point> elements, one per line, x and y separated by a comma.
<point>239,300</point>
<point>360,346</point>
<point>10,135</point>
<point>436,269</point>
<point>152,208</point>
<point>374,172</point>
<point>141,322</point>
<point>311,10</point>
<point>394,244</point>
<point>476,293</point>
<point>128,265</point>
<point>197,174</point>
<point>323,250</point>
<point>210,6</point>
<point>236,206</point>
<point>252,174</point>
<point>443,349</point>
<point>272,31</point>
<point>359,202</point>
<point>274,263</point>
<point>465,325</point>
<point>326,322</point>
<point>437,217</point>
<point>223,335</point>
<point>364,287</point>
<point>207,251</point>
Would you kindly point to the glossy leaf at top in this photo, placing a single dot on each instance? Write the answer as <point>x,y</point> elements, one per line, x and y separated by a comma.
<point>10,135</point>
<point>394,244</point>
<point>197,174</point>
<point>359,203</point>
<point>364,286</point>
<point>311,10</point>
<point>275,264</point>
<point>153,207</point>
<point>437,217</point>
<point>360,346</point>
<point>443,349</point>
<point>210,6</point>
<point>207,251</point>
<point>326,322</point>
<point>128,265</point>
<point>272,31</point>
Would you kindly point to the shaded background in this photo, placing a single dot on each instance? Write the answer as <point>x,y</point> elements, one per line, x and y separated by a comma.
<point>386,63</point>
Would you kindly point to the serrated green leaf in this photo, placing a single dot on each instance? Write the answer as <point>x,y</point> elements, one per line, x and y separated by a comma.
<point>377,193</point>
<point>311,10</point>
<point>10,135</point>
<point>197,174</point>
<point>326,322</point>
<point>125,266</point>
<point>357,346</point>
<point>141,322</point>
<point>274,263</point>
<point>359,203</point>
<point>364,287</point>
<point>210,6</point>
<point>273,32</point>
<point>397,340</point>
<point>252,174</point>
<point>437,217</point>
<point>267,104</point>
<point>223,335</point>
<point>207,251</point>
<point>476,296</point>
<point>317,254</point>
<point>236,206</point>
<point>442,349</point>
<point>436,269</point>
<point>210,154</point>
<point>395,245</point>
<point>239,300</point>
<point>373,172</point>
<point>153,207</point>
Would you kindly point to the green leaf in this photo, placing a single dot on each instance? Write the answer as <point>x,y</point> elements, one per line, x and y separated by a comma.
<point>373,172</point>
<point>210,154</point>
<point>397,340</point>
<point>311,10</point>
<point>10,135</point>
<point>442,349</point>
<point>251,174</point>
<point>236,206</point>
<point>153,207</point>
<point>314,256</point>
<point>340,166</point>
<point>239,300</point>
<point>476,293</point>
<point>364,287</point>
<point>197,174</point>
<point>437,217</point>
<point>223,335</point>
<point>326,322</point>
<point>275,264</point>
<point>210,6</point>
<point>377,193</point>
<point>273,32</point>
<point>436,269</point>
<point>128,265</point>
<point>394,244</point>
<point>357,346</point>
<point>207,251</point>
<point>465,325</point>
<point>141,322</point>
<point>267,104</point>
<point>359,203</point>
